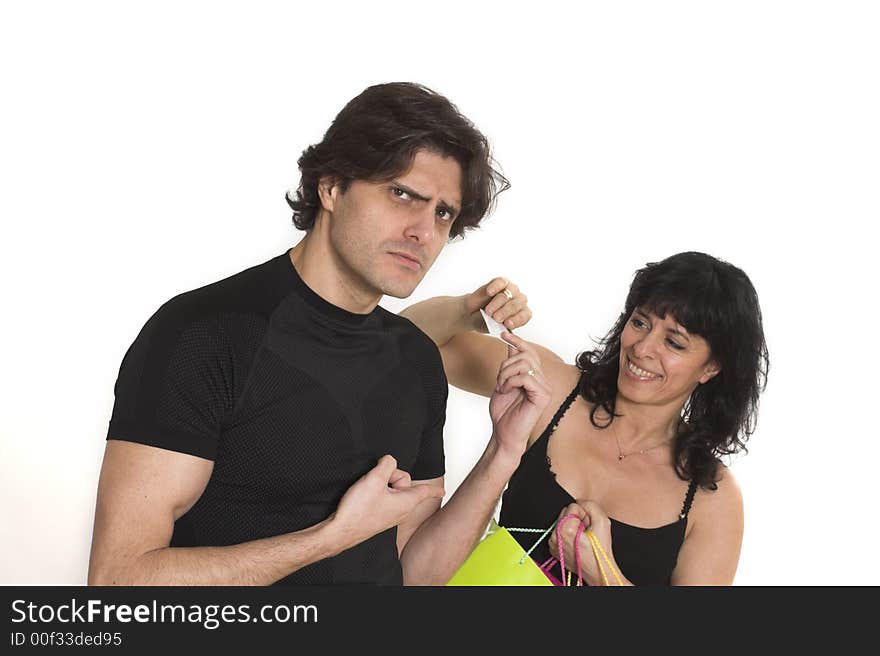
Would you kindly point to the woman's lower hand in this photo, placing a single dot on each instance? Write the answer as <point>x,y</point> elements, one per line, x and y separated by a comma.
<point>589,516</point>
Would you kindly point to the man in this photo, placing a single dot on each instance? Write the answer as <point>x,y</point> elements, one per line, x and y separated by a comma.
<point>280,427</point>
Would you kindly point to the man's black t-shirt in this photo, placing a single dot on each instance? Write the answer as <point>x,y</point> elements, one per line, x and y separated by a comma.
<point>293,399</point>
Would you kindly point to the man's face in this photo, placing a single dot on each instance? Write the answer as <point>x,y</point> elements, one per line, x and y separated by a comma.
<point>386,235</point>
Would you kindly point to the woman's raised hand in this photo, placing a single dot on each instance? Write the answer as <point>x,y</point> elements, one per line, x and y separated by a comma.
<point>501,300</point>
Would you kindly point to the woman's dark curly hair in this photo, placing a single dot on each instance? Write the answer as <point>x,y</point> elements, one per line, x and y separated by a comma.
<point>376,136</point>
<point>717,301</point>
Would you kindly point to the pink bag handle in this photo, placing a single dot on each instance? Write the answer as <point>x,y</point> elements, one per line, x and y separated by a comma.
<point>577,551</point>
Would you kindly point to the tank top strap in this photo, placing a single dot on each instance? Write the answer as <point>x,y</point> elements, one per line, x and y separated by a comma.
<point>563,407</point>
<point>688,500</point>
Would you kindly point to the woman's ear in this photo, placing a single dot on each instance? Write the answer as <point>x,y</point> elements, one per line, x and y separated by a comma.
<point>709,371</point>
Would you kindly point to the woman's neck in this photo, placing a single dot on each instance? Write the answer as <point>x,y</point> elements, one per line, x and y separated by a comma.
<point>641,426</point>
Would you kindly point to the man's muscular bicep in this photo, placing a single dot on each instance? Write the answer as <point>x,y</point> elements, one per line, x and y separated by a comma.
<point>142,491</point>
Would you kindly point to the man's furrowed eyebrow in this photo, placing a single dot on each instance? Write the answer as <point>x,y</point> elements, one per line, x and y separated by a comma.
<point>443,205</point>
<point>412,192</point>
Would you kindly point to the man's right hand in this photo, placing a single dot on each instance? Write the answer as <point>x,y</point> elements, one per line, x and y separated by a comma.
<point>380,499</point>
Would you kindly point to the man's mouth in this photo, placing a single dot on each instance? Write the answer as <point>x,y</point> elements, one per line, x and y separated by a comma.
<point>407,260</point>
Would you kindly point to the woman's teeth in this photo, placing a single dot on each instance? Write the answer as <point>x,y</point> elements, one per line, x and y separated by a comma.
<point>641,373</point>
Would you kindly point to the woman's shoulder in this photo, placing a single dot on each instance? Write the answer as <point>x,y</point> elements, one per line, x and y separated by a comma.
<point>562,375</point>
<point>728,489</point>
<point>562,378</point>
<point>724,503</point>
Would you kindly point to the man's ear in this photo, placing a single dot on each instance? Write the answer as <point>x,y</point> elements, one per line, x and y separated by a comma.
<point>710,371</point>
<point>328,192</point>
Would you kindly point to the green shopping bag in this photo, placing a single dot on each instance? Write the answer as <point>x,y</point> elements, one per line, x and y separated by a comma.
<point>499,560</point>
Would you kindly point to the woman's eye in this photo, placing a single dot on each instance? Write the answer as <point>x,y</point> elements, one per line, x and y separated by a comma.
<point>675,345</point>
<point>638,323</point>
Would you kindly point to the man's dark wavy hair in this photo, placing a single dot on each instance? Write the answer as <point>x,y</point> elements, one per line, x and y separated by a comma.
<point>375,138</point>
<point>717,301</point>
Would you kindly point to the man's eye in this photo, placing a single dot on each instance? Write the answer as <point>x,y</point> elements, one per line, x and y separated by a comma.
<point>399,193</point>
<point>444,215</point>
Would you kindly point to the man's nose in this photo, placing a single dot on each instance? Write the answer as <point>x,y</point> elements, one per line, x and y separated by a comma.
<point>421,223</point>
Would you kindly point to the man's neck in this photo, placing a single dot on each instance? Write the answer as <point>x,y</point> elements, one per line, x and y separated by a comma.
<point>323,272</point>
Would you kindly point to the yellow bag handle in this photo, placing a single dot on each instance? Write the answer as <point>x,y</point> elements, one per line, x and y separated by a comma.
<point>597,549</point>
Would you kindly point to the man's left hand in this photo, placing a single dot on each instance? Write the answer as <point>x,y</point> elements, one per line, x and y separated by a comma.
<point>521,395</point>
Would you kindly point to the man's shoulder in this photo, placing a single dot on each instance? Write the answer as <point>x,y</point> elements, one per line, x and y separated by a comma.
<point>253,292</point>
<point>406,330</point>
<point>255,289</point>
<point>414,343</point>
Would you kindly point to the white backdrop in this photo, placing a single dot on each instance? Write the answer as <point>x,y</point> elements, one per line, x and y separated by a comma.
<point>145,149</point>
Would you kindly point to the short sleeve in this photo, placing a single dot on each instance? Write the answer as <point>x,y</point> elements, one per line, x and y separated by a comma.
<point>431,462</point>
<point>175,384</point>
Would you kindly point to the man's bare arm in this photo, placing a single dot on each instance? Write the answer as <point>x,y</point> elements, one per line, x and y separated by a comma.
<point>143,490</point>
<point>443,541</point>
<point>445,538</point>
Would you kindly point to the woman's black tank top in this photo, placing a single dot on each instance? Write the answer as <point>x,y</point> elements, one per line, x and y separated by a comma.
<point>533,499</point>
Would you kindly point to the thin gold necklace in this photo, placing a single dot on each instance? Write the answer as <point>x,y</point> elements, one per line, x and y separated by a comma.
<point>621,455</point>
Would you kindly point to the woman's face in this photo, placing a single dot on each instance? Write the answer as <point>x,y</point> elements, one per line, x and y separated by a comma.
<point>660,362</point>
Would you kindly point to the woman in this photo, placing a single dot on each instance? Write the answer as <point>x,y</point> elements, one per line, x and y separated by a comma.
<point>631,438</point>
